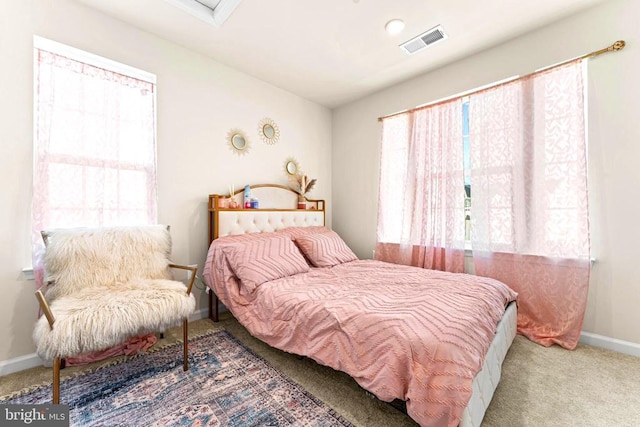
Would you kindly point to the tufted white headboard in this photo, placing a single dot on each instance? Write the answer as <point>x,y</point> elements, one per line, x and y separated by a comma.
<point>260,221</point>
<point>277,210</point>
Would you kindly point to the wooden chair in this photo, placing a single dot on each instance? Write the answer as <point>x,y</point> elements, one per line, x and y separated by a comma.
<point>106,285</point>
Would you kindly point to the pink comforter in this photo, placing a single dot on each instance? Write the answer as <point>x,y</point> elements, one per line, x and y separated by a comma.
<point>401,332</point>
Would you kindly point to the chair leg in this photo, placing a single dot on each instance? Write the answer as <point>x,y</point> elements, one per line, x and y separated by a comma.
<point>185,340</point>
<point>56,380</point>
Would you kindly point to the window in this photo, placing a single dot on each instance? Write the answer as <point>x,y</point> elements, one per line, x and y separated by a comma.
<point>519,144</point>
<point>528,151</point>
<point>94,141</point>
<point>421,200</point>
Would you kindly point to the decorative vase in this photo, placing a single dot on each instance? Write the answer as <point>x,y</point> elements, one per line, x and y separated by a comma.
<point>302,202</point>
<point>223,202</point>
<point>233,204</point>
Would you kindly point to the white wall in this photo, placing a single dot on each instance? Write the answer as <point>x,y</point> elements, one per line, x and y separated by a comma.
<point>199,101</point>
<point>614,146</point>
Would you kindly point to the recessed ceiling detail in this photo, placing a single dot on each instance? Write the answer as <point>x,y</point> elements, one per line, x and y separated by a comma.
<point>213,12</point>
<point>429,37</point>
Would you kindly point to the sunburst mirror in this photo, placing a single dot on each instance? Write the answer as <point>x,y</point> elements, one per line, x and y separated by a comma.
<point>269,131</point>
<point>238,142</point>
<point>291,166</point>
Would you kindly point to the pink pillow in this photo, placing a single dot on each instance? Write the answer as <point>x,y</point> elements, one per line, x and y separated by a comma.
<point>325,249</point>
<point>261,260</point>
<point>236,238</point>
<point>294,232</point>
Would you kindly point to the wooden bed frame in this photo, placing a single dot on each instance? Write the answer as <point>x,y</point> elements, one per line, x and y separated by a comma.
<point>278,209</point>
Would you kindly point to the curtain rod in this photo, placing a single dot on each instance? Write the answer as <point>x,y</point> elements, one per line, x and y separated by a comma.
<point>619,45</point>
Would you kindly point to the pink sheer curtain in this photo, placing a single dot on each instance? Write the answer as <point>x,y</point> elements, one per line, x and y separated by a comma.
<point>94,152</point>
<point>421,198</point>
<point>529,210</point>
<point>94,160</point>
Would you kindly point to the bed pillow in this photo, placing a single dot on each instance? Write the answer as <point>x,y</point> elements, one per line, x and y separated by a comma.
<point>258,261</point>
<point>294,232</point>
<point>325,249</point>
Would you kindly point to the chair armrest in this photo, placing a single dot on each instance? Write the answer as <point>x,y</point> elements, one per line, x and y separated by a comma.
<point>193,270</point>
<point>45,307</point>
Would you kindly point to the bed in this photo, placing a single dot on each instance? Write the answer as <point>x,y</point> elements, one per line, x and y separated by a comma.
<point>432,339</point>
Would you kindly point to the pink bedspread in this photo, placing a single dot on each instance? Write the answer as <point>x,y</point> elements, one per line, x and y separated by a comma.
<point>401,332</point>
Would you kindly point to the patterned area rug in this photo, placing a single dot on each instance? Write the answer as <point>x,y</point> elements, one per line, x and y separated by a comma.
<point>227,385</point>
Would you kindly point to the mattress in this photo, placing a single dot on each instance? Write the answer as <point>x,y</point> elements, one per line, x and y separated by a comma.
<point>486,381</point>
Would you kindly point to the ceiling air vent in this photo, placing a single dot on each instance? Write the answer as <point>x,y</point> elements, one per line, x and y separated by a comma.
<point>423,40</point>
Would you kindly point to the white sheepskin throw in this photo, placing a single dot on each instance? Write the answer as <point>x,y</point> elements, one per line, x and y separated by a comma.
<point>81,258</point>
<point>100,317</point>
<point>109,284</point>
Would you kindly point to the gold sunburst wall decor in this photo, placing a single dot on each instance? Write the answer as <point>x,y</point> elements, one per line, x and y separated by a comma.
<point>238,142</point>
<point>269,131</point>
<point>291,167</point>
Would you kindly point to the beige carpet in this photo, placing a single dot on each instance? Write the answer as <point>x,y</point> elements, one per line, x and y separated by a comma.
<point>539,387</point>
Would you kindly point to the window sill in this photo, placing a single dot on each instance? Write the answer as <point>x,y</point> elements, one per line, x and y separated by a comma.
<point>27,273</point>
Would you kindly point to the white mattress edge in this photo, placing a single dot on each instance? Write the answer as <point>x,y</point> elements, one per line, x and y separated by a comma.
<point>486,382</point>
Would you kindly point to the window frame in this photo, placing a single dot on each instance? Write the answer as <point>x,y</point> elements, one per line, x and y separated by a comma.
<point>148,166</point>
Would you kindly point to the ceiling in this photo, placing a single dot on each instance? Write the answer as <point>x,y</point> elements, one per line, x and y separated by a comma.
<point>335,51</point>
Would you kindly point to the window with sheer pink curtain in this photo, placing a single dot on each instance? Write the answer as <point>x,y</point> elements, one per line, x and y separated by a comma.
<point>421,196</point>
<point>94,147</point>
<point>529,213</point>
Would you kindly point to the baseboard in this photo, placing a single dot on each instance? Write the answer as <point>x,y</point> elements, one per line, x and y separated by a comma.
<point>608,343</point>
<point>20,363</point>
<point>32,360</point>
<point>203,313</point>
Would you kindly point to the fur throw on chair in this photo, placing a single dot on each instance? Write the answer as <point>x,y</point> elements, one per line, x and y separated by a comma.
<point>109,284</point>
<point>93,257</point>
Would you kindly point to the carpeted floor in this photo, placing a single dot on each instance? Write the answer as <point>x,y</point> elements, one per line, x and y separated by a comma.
<point>540,386</point>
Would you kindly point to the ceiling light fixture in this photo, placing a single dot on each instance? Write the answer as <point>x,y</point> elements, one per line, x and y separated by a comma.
<point>214,12</point>
<point>395,26</point>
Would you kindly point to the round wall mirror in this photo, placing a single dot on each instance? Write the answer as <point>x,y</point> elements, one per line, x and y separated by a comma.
<point>238,142</point>
<point>291,166</point>
<point>269,131</point>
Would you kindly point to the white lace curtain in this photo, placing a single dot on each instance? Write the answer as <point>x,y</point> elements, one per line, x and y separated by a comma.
<point>421,198</point>
<point>529,213</point>
<point>94,148</point>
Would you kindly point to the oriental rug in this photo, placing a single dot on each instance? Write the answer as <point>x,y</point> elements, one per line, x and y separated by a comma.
<point>227,385</point>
